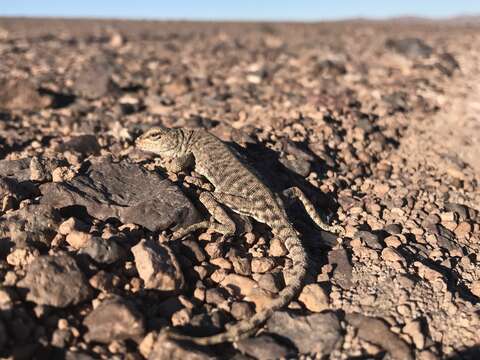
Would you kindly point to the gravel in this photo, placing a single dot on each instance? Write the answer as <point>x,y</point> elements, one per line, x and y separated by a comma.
<point>377,122</point>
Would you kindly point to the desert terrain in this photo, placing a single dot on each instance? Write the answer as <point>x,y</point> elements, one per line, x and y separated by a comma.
<point>377,122</point>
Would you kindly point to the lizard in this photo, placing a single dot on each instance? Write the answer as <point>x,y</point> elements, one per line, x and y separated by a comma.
<point>239,188</point>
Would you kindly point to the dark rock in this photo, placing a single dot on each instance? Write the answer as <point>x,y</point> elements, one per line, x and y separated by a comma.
<point>103,251</point>
<point>19,190</point>
<point>18,169</point>
<point>78,355</point>
<point>410,47</point>
<point>86,144</point>
<point>242,310</point>
<point>125,191</point>
<point>216,296</point>
<point>264,347</point>
<point>377,332</point>
<point>342,268</point>
<point>55,281</point>
<point>330,68</point>
<point>447,64</point>
<point>20,94</point>
<point>463,211</point>
<point>93,80</point>
<point>393,229</point>
<point>300,166</point>
<point>114,319</point>
<point>370,239</point>
<point>316,333</point>
<point>31,224</point>
<point>398,101</point>
<point>167,349</point>
<point>3,335</point>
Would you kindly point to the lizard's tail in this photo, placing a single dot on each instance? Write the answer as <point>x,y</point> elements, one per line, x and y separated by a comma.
<point>246,327</point>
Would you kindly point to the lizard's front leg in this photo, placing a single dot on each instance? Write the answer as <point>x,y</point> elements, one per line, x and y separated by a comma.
<point>220,222</point>
<point>178,164</point>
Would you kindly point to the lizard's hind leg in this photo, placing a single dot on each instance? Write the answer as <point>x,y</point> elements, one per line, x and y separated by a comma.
<point>295,192</point>
<point>220,221</point>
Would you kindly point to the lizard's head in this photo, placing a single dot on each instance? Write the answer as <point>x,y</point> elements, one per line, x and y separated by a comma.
<point>161,141</point>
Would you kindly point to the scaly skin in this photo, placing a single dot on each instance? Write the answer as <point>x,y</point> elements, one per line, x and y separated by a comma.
<point>243,192</point>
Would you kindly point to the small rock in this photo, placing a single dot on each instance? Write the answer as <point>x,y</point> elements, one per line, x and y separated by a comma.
<point>414,330</point>
<point>475,288</point>
<point>146,346</point>
<point>55,281</point>
<point>114,319</point>
<point>240,285</point>
<point>166,349</point>
<point>93,80</point>
<point>377,332</point>
<point>216,296</point>
<point>270,282</point>
<point>314,298</point>
<point>277,248</point>
<point>78,239</point>
<point>262,265</point>
<point>264,347</point>
<point>316,333</point>
<point>22,256</point>
<point>157,266</point>
<point>103,251</point>
<point>20,94</point>
<point>71,224</point>
<point>410,47</point>
<point>86,144</point>
<point>342,272</point>
<point>370,239</point>
<point>390,254</point>
<point>393,229</point>
<point>463,229</point>
<point>241,310</point>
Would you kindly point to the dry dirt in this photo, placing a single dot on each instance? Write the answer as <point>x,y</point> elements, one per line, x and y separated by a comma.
<point>378,123</point>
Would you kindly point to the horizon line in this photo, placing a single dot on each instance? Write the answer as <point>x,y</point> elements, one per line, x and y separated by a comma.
<point>246,20</point>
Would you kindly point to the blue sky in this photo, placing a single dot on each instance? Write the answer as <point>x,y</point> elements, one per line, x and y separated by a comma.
<point>240,9</point>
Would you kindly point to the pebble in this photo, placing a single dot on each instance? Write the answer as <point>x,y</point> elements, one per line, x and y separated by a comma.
<point>314,298</point>
<point>277,248</point>
<point>414,330</point>
<point>157,266</point>
<point>55,281</point>
<point>262,265</point>
<point>241,310</point>
<point>70,225</point>
<point>114,319</point>
<point>78,239</point>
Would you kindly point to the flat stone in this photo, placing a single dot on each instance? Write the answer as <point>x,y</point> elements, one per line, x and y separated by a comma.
<point>378,332</point>
<point>114,319</point>
<point>166,349</point>
<point>55,281</point>
<point>21,94</point>
<point>125,191</point>
<point>342,272</point>
<point>370,239</point>
<point>410,47</point>
<point>264,347</point>
<point>29,225</point>
<point>93,80</point>
<point>316,333</point>
<point>157,266</point>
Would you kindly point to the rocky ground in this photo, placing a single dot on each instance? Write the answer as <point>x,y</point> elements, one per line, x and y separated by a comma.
<point>377,122</point>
